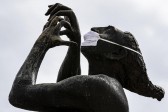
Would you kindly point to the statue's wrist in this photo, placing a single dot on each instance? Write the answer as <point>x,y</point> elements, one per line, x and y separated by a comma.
<point>42,42</point>
<point>41,45</point>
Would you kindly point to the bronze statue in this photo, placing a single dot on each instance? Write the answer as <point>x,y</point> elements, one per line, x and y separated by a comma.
<point>115,62</point>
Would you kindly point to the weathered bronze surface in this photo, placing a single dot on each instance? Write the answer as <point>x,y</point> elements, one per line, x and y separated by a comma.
<point>115,63</point>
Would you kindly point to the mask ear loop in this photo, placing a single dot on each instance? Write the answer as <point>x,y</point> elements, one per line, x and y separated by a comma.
<point>132,50</point>
<point>94,42</point>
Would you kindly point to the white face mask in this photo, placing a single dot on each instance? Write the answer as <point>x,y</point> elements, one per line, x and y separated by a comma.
<point>91,38</point>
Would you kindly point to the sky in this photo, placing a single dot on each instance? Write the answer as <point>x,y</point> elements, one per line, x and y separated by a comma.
<point>21,22</point>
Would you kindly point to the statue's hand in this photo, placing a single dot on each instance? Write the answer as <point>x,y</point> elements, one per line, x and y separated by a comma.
<point>61,10</point>
<point>50,36</point>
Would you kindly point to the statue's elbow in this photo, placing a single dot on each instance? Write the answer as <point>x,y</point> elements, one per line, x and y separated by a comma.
<point>15,97</point>
<point>12,99</point>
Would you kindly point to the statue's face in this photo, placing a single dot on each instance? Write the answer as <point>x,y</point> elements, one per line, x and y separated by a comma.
<point>109,33</point>
<point>103,48</point>
<point>109,42</point>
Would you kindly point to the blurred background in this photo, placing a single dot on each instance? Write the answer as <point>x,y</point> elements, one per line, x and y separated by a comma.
<point>21,22</point>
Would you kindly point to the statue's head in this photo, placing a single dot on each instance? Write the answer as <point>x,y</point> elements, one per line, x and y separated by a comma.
<point>114,49</point>
<point>108,43</point>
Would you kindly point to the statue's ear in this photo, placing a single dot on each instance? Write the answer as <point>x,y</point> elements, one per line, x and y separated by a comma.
<point>111,51</point>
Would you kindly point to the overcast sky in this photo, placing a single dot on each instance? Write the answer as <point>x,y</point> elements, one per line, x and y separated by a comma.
<point>21,23</point>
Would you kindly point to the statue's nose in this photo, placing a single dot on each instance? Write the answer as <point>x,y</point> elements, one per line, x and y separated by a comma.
<point>95,29</point>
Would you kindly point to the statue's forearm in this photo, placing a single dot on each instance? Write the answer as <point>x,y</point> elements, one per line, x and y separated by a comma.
<point>73,56</point>
<point>71,64</point>
<point>28,72</point>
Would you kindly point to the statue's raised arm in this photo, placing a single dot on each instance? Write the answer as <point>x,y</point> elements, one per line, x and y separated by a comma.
<point>73,33</point>
<point>25,93</point>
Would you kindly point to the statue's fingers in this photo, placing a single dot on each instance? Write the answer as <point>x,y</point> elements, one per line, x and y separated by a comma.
<point>57,41</point>
<point>50,9</point>
<point>49,6</point>
<point>66,24</point>
<point>49,22</point>
<point>65,32</point>
<point>68,14</point>
<point>66,19</point>
<point>61,24</point>
<point>53,22</point>
<point>60,18</point>
<point>58,8</point>
<point>68,43</point>
<point>55,8</point>
<point>45,26</point>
